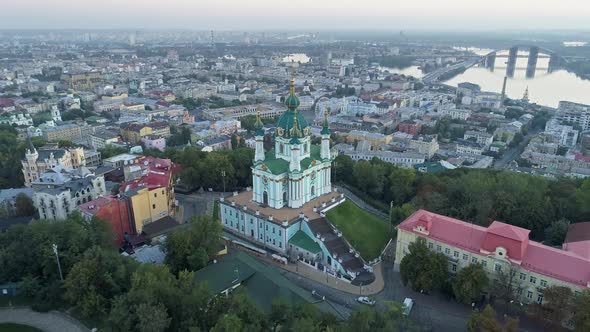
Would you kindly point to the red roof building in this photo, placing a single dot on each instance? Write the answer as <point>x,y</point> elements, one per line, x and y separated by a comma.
<point>501,248</point>
<point>113,210</point>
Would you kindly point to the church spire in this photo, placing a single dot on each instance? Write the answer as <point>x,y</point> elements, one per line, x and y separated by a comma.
<point>259,125</point>
<point>326,123</point>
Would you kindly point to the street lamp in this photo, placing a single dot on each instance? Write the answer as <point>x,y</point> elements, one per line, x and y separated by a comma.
<point>54,246</point>
<point>223,176</point>
<point>390,221</point>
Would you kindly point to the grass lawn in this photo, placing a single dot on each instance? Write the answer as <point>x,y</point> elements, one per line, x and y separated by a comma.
<point>9,327</point>
<point>365,231</point>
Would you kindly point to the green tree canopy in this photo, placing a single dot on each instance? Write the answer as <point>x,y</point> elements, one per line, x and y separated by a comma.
<point>469,283</point>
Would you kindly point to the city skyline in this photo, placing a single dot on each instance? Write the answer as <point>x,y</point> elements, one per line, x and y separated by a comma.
<point>329,14</point>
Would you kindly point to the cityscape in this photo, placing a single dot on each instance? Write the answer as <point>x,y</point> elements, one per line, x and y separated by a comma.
<point>223,167</point>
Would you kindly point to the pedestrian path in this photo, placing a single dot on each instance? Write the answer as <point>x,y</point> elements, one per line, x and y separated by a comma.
<point>52,321</point>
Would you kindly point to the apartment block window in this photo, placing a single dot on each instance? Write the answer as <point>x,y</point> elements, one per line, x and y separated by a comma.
<point>280,232</point>
<point>273,242</point>
<point>522,276</point>
<point>484,263</point>
<point>447,251</point>
<point>543,283</point>
<point>242,216</point>
<point>540,299</point>
<point>456,254</point>
<point>473,260</point>
<point>267,227</point>
<point>454,267</point>
<point>498,268</point>
<point>519,291</point>
<point>251,221</point>
<point>280,244</point>
<point>162,191</point>
<point>155,194</point>
<point>242,228</point>
<point>533,280</point>
<point>438,248</point>
<point>465,257</point>
<point>529,294</point>
<point>273,230</point>
<point>154,206</point>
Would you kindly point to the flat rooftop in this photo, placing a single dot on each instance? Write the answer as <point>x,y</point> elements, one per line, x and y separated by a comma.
<point>285,214</point>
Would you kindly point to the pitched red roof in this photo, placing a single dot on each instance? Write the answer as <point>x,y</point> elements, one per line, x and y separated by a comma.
<point>569,265</point>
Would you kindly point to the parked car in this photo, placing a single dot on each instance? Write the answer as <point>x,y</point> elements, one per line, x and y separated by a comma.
<point>408,304</point>
<point>366,300</point>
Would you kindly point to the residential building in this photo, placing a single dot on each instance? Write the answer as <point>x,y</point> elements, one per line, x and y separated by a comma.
<point>121,160</point>
<point>425,144</point>
<point>66,132</point>
<point>58,201</point>
<point>17,119</point>
<point>154,142</point>
<point>469,147</point>
<point>455,114</point>
<point>502,249</point>
<point>81,81</point>
<point>37,162</point>
<point>480,137</point>
<point>101,138</point>
<point>564,135</point>
<point>411,127</point>
<point>375,139</point>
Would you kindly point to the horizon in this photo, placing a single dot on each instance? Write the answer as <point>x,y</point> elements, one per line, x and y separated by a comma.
<point>476,15</point>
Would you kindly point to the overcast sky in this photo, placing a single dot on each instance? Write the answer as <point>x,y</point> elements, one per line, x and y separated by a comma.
<point>302,14</point>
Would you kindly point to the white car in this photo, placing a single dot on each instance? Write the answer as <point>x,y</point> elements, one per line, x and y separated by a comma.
<point>366,300</point>
<point>407,307</point>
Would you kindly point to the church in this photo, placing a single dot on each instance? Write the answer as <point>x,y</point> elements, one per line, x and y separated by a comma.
<point>283,213</point>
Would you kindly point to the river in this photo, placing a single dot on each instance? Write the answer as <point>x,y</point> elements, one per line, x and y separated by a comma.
<point>545,88</point>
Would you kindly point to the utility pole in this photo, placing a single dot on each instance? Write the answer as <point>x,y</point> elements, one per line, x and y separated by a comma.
<point>57,258</point>
<point>223,176</point>
<point>390,221</point>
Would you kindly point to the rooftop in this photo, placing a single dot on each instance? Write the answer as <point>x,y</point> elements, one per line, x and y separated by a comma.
<point>565,265</point>
<point>285,214</point>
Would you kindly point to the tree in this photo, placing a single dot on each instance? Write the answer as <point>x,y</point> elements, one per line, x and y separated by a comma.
<point>228,323</point>
<point>24,205</point>
<point>582,311</point>
<point>401,213</point>
<point>556,307</point>
<point>192,248</point>
<point>98,277</point>
<point>152,317</point>
<point>506,284</point>
<point>423,269</point>
<point>555,234</point>
<point>486,321</point>
<point>279,312</point>
<point>470,283</point>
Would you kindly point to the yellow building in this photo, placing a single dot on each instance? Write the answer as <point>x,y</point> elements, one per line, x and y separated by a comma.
<point>502,249</point>
<point>375,139</point>
<point>148,205</point>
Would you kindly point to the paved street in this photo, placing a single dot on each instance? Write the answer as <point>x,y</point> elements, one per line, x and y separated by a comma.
<point>513,153</point>
<point>52,321</point>
<point>195,204</point>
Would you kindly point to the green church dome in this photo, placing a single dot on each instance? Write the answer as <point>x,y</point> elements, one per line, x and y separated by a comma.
<point>292,123</point>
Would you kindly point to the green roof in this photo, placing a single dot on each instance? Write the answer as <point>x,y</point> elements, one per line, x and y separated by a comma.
<point>287,123</point>
<point>263,285</point>
<point>279,166</point>
<point>303,241</point>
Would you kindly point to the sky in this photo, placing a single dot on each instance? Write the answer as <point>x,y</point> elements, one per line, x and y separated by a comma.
<point>300,14</point>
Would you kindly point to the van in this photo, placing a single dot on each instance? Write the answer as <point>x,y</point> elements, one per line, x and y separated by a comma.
<point>408,304</point>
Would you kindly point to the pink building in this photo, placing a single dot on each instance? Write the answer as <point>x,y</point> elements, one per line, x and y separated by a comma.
<point>154,142</point>
<point>503,248</point>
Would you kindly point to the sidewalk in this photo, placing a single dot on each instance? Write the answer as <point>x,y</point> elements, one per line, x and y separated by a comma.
<point>325,279</point>
<point>362,203</point>
<point>52,321</point>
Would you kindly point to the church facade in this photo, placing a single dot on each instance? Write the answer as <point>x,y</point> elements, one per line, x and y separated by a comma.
<point>283,212</point>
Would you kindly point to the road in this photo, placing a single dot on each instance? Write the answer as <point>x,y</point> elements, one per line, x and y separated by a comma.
<point>195,204</point>
<point>432,77</point>
<point>514,153</point>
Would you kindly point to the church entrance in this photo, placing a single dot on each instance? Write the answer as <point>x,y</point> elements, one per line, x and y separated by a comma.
<point>285,200</point>
<point>265,198</point>
<point>312,191</point>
